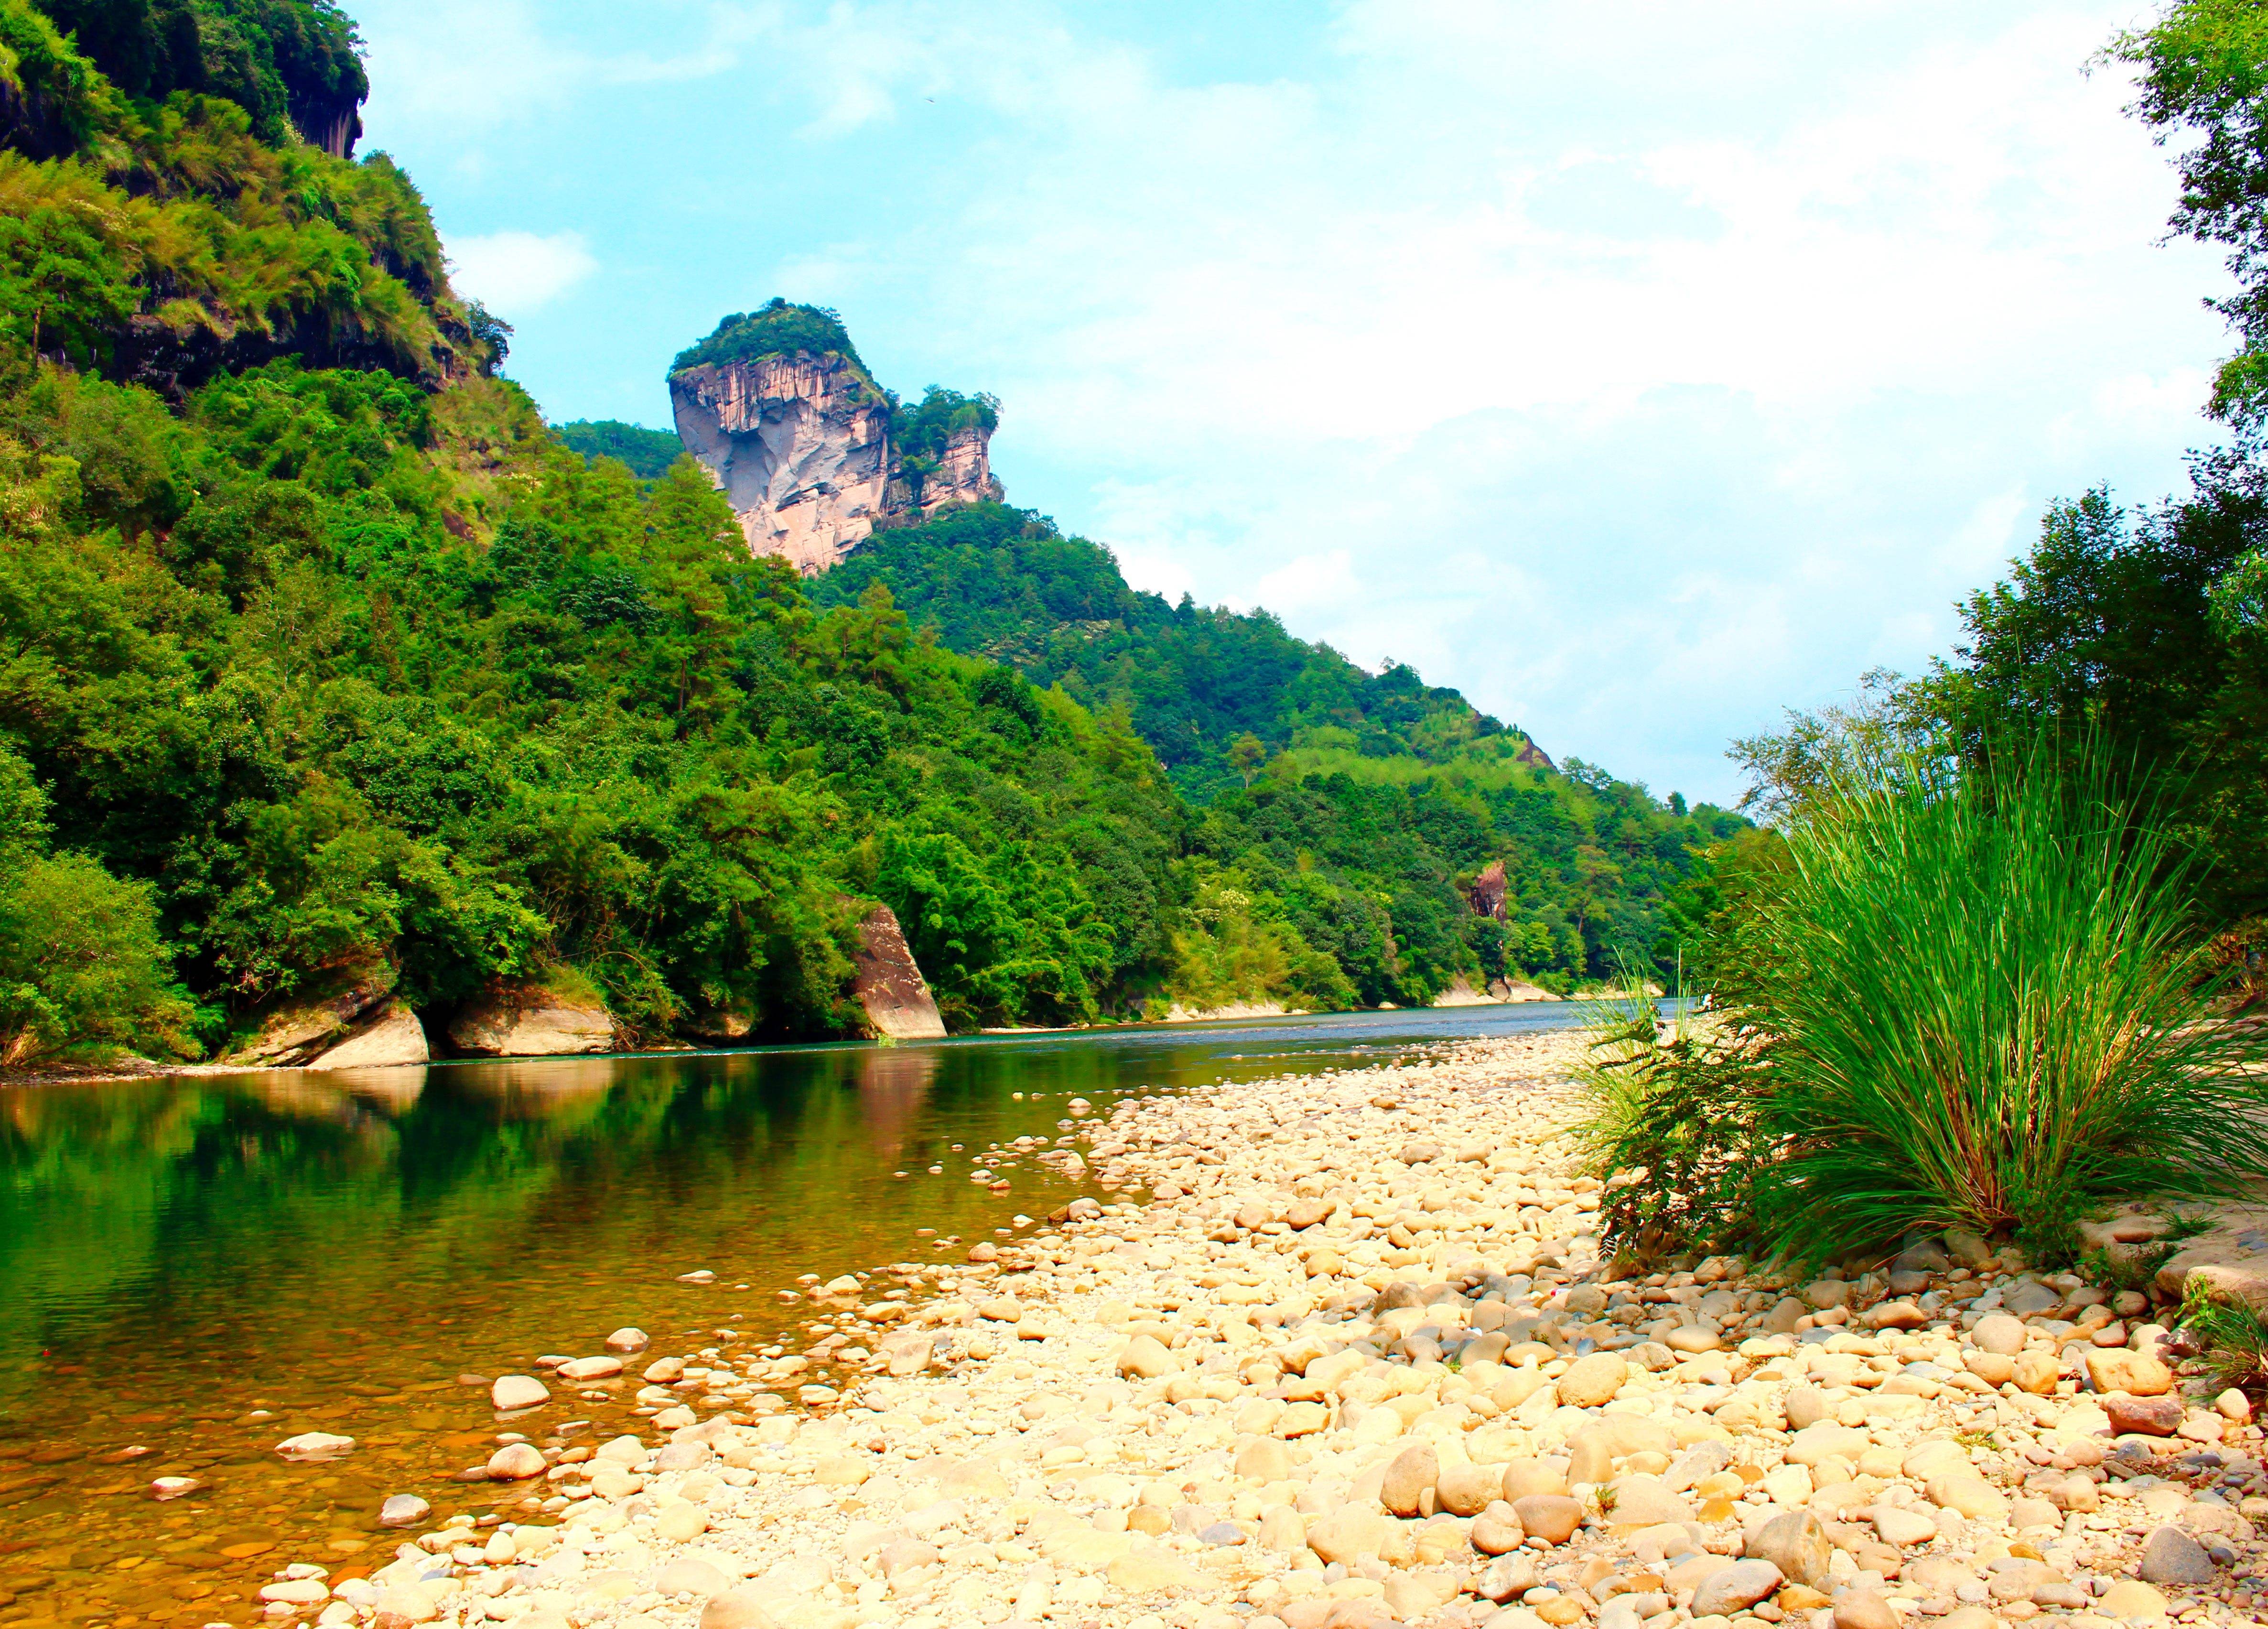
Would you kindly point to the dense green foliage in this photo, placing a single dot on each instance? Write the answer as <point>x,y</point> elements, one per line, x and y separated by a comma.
<point>646,452</point>
<point>778,328</point>
<point>347,671</point>
<point>167,241</point>
<point>80,955</point>
<point>290,64</point>
<point>1004,583</point>
<point>1355,809</point>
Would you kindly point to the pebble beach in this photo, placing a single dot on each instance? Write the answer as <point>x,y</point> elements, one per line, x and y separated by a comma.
<point>1342,1353</point>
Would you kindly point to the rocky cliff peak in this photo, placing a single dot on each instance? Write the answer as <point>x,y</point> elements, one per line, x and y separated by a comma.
<point>812,453</point>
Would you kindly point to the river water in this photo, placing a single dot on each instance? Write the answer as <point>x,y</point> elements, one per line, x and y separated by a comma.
<point>192,1269</point>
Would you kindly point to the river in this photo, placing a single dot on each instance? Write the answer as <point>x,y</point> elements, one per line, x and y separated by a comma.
<point>192,1269</point>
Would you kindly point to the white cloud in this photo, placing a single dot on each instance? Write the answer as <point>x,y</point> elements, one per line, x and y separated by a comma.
<point>462,68</point>
<point>1710,467</point>
<point>1314,582</point>
<point>1151,572</point>
<point>513,273</point>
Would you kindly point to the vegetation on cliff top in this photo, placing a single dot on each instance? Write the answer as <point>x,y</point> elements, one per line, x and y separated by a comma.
<point>776,328</point>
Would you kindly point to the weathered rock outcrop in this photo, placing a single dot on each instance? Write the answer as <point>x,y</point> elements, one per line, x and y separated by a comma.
<point>318,1021</point>
<point>801,443</point>
<point>1488,891</point>
<point>1179,1014</point>
<point>396,1038</point>
<point>889,984</point>
<point>1519,990</point>
<point>1461,993</point>
<point>528,1022</point>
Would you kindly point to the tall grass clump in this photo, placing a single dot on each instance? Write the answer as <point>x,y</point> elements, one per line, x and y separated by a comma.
<point>1987,1008</point>
<point>1949,995</point>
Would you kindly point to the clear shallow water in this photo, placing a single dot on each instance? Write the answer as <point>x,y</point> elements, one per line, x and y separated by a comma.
<point>336,1251</point>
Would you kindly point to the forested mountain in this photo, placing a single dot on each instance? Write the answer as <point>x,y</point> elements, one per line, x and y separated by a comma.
<point>647,452</point>
<point>322,658</point>
<point>1358,809</point>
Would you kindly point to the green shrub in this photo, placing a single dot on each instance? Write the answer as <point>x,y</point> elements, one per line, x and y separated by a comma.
<point>1677,1119</point>
<point>778,328</point>
<point>1970,998</point>
<point>1987,1012</point>
<point>2229,1336</point>
<point>82,965</point>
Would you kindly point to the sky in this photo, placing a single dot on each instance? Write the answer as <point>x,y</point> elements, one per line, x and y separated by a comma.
<point>1641,368</point>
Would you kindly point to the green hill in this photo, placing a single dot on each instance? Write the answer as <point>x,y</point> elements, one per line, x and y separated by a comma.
<point>1357,808</point>
<point>646,452</point>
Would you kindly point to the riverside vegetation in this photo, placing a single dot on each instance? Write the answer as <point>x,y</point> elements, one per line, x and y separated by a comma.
<point>322,659</point>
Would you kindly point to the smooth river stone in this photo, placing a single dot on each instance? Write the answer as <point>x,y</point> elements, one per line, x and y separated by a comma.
<point>517,1462</point>
<point>314,1446</point>
<point>1736,1588</point>
<point>518,1391</point>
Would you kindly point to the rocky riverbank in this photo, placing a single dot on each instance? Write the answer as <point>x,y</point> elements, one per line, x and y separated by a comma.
<point>1354,1362</point>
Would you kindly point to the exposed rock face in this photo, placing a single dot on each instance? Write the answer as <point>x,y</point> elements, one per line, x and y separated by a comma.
<point>304,1029</point>
<point>801,447</point>
<point>1489,890</point>
<point>1179,1014</point>
<point>889,985</point>
<point>521,1021</point>
<point>393,1039</point>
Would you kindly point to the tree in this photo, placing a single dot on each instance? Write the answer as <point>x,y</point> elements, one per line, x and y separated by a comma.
<point>82,964</point>
<point>1246,754</point>
<point>2205,74</point>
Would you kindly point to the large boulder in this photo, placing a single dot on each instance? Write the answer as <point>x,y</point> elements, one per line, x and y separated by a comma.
<point>527,1021</point>
<point>317,1020</point>
<point>889,984</point>
<point>393,1039</point>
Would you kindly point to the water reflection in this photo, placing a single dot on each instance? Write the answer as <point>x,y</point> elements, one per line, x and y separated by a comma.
<point>893,1082</point>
